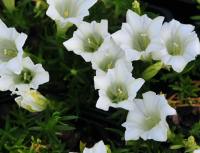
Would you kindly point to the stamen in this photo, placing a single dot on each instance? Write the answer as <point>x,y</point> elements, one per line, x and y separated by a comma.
<point>107,63</point>
<point>93,42</point>
<point>66,13</point>
<point>117,93</point>
<point>26,76</point>
<point>174,47</point>
<point>141,42</point>
<point>9,53</point>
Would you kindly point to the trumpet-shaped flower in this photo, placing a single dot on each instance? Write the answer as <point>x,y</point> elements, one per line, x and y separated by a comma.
<point>31,100</point>
<point>11,52</point>
<point>97,148</point>
<point>117,88</point>
<point>67,12</point>
<point>88,38</point>
<point>180,45</point>
<point>31,76</point>
<point>139,36</point>
<point>108,56</point>
<point>148,118</point>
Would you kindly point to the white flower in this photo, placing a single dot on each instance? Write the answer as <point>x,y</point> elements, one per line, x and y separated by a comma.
<point>31,76</point>
<point>88,38</point>
<point>31,100</point>
<point>139,36</point>
<point>108,56</point>
<point>11,52</point>
<point>180,45</point>
<point>148,118</point>
<point>66,12</point>
<point>117,88</point>
<point>197,151</point>
<point>97,148</point>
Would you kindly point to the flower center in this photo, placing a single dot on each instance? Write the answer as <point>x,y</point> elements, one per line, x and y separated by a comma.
<point>141,42</point>
<point>7,50</point>
<point>93,42</point>
<point>151,121</point>
<point>174,48</point>
<point>117,92</point>
<point>26,76</point>
<point>107,63</point>
<point>8,54</point>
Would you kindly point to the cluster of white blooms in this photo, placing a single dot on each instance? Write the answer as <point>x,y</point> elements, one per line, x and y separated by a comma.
<point>19,74</point>
<point>172,44</point>
<point>111,55</point>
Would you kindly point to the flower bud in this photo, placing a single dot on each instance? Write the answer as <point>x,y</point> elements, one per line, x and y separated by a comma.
<point>31,100</point>
<point>152,70</point>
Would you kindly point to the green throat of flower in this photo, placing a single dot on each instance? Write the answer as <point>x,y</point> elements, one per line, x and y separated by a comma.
<point>26,76</point>
<point>117,92</point>
<point>174,48</point>
<point>93,42</point>
<point>141,42</point>
<point>151,121</point>
<point>107,63</point>
<point>7,54</point>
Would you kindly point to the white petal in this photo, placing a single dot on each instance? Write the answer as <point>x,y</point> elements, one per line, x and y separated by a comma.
<point>158,133</point>
<point>87,28</point>
<point>185,30</point>
<point>135,85</point>
<point>53,13</point>
<point>178,63</point>
<point>165,107</point>
<point>131,54</point>
<point>20,41</point>
<point>102,27</point>
<point>6,83</point>
<point>40,78</point>
<point>123,36</point>
<point>155,26</point>
<point>97,148</point>
<point>192,49</point>
<point>28,63</point>
<point>134,20</point>
<point>73,44</point>
<point>132,134</point>
<point>101,82</point>
<point>158,52</point>
<point>15,64</point>
<point>121,72</point>
<point>128,105</point>
<point>87,4</point>
<point>103,103</point>
<point>150,101</point>
<point>197,151</point>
